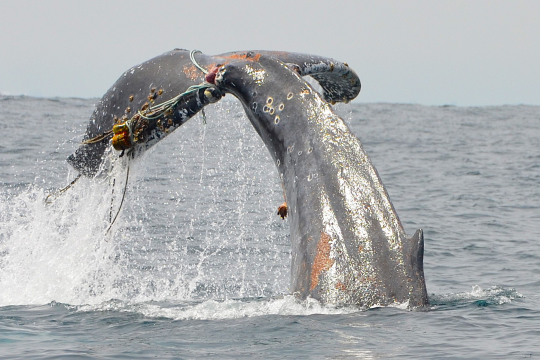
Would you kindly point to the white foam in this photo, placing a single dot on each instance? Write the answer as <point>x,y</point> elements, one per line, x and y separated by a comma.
<point>493,295</point>
<point>225,309</point>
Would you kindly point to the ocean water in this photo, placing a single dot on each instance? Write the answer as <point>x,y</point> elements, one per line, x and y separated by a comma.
<point>197,263</point>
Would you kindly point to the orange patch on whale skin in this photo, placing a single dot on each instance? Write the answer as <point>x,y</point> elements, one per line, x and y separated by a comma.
<point>254,57</point>
<point>322,261</point>
<point>192,72</point>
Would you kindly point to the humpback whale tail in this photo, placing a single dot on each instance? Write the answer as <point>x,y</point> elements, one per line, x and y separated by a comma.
<point>349,246</point>
<point>186,81</point>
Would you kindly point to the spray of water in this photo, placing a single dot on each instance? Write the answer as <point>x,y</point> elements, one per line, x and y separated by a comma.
<point>198,222</point>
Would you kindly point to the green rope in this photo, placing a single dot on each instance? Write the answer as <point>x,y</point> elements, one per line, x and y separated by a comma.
<point>192,58</point>
<point>156,111</point>
<point>194,61</point>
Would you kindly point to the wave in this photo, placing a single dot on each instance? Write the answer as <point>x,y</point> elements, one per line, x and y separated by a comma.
<point>287,305</point>
<point>221,309</point>
<point>478,296</point>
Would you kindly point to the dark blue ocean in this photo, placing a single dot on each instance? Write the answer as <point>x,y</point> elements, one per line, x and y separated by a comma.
<point>197,263</point>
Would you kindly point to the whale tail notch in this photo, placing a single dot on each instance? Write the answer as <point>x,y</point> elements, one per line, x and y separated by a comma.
<point>418,294</point>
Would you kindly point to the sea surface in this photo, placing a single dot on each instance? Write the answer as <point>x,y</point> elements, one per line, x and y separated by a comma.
<point>197,263</point>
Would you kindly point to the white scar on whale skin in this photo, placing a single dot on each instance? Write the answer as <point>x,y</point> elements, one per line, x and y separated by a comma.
<point>257,75</point>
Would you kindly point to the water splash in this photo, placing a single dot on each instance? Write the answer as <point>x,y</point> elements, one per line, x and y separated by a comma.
<point>223,309</point>
<point>198,222</point>
<point>51,252</point>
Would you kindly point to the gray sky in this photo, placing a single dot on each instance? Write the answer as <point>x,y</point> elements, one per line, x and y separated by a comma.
<point>481,52</point>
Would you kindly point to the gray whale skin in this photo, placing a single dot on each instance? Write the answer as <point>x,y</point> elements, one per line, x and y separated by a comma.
<point>348,244</point>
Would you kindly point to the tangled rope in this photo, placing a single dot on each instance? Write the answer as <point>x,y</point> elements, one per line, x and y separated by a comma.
<point>154,112</point>
<point>151,113</point>
<point>121,201</point>
<point>98,138</point>
<point>160,109</point>
<point>57,193</point>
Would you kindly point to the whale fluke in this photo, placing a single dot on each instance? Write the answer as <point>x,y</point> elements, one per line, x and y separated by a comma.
<point>339,82</point>
<point>172,73</point>
<point>348,244</point>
